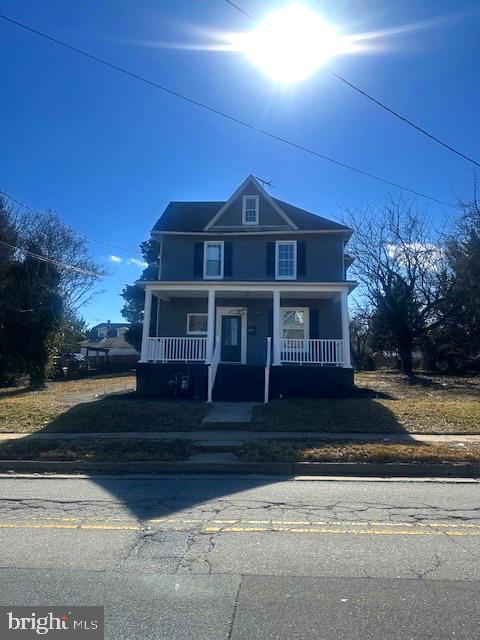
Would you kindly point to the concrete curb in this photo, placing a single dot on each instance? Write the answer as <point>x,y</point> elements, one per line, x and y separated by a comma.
<point>402,469</point>
<point>357,469</point>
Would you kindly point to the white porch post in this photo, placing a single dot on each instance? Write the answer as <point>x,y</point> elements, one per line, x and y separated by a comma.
<point>276,329</point>
<point>147,314</point>
<point>210,325</point>
<point>345,330</point>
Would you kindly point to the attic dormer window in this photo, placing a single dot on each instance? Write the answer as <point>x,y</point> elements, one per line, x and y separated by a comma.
<point>250,210</point>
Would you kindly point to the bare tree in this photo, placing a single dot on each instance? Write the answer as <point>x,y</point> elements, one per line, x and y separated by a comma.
<point>361,337</point>
<point>58,242</point>
<point>399,261</point>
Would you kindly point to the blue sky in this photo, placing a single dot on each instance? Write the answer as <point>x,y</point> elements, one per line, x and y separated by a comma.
<point>108,153</point>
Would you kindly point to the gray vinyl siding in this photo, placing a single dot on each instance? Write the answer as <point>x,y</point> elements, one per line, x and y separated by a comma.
<point>324,256</point>
<point>267,215</point>
<point>172,319</point>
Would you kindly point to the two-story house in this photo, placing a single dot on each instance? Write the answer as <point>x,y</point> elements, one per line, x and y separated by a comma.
<point>250,302</point>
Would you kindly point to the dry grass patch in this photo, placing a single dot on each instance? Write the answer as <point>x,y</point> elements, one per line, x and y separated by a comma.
<point>369,416</point>
<point>383,402</point>
<point>291,451</point>
<point>77,405</point>
<point>97,450</point>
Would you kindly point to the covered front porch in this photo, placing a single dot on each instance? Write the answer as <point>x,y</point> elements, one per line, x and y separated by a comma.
<point>299,324</point>
<point>227,337</point>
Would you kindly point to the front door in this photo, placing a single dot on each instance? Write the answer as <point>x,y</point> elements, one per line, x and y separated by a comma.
<point>231,339</point>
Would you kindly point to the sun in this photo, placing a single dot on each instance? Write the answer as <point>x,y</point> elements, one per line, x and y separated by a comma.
<point>290,44</point>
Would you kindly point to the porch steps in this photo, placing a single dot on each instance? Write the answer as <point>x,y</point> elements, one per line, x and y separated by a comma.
<point>239,383</point>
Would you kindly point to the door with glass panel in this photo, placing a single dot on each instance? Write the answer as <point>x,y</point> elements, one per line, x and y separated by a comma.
<point>231,338</point>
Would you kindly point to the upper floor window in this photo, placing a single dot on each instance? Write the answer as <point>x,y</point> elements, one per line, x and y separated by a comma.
<point>213,260</point>
<point>286,260</point>
<point>250,206</point>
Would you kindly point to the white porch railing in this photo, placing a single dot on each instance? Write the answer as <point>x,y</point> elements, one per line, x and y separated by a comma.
<point>176,349</point>
<point>212,369</point>
<point>298,351</point>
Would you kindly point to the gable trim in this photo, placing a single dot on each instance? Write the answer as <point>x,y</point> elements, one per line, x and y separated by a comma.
<point>262,191</point>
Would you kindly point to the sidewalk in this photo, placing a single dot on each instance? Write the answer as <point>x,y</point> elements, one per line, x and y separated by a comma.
<point>236,438</point>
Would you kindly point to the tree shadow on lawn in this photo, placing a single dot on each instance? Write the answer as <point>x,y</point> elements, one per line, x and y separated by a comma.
<point>164,496</point>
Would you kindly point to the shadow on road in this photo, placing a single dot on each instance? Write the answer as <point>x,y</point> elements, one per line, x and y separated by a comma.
<point>125,412</point>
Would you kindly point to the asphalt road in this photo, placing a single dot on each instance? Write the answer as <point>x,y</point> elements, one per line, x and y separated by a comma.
<point>247,558</point>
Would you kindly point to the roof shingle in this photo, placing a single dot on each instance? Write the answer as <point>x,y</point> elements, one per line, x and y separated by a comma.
<point>194,216</point>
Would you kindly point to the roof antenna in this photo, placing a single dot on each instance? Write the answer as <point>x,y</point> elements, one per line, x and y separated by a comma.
<point>265,183</point>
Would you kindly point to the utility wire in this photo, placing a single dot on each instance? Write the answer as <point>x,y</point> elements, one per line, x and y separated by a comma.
<point>376,101</point>
<point>79,233</point>
<point>62,265</point>
<point>57,263</point>
<point>222,114</point>
<point>245,13</point>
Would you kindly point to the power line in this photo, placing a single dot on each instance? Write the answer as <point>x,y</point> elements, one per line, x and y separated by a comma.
<point>245,13</point>
<point>79,233</point>
<point>62,265</point>
<point>222,114</point>
<point>57,263</point>
<point>379,103</point>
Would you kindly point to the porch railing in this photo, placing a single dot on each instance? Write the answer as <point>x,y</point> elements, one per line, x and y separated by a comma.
<point>176,349</point>
<point>317,351</point>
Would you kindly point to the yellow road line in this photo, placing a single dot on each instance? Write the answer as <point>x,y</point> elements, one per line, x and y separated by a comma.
<point>50,525</point>
<point>369,529</point>
<point>325,530</point>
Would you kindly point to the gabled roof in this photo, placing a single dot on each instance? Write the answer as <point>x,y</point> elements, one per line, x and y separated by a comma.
<point>112,325</point>
<point>187,216</point>
<point>198,217</point>
<point>306,220</point>
<point>252,180</point>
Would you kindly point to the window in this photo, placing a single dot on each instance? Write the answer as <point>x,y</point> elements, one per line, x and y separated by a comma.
<point>250,210</point>
<point>197,324</point>
<point>294,323</point>
<point>213,261</point>
<point>286,260</point>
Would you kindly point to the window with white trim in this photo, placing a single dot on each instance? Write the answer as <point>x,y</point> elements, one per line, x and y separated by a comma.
<point>250,206</point>
<point>197,324</point>
<point>213,260</point>
<point>295,323</point>
<point>286,260</point>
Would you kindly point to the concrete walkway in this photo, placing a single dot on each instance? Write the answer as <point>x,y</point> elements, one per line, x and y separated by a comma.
<point>230,412</point>
<point>236,437</point>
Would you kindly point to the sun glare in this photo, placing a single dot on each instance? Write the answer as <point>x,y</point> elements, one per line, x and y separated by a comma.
<point>291,44</point>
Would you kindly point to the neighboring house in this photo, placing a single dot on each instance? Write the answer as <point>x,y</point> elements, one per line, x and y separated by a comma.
<point>108,330</point>
<point>108,339</point>
<point>250,301</point>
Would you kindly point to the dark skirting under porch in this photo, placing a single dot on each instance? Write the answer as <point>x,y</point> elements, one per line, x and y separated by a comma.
<point>172,380</point>
<point>236,382</point>
<point>310,381</point>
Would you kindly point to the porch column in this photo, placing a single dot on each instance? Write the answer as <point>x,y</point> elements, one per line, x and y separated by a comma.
<point>147,314</point>
<point>345,330</point>
<point>210,325</point>
<point>276,329</point>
